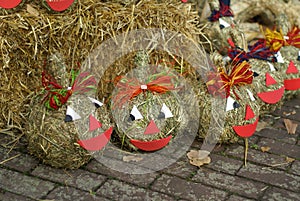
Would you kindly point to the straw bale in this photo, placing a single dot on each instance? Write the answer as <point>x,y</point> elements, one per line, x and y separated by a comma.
<point>29,36</point>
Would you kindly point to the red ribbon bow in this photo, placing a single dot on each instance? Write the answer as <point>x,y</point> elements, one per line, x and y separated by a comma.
<point>132,88</point>
<point>240,75</point>
<point>224,11</point>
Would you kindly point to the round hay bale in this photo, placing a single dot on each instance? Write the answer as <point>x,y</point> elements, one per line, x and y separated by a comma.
<point>222,29</point>
<point>30,33</point>
<point>262,90</point>
<point>52,140</point>
<point>147,119</point>
<point>235,114</point>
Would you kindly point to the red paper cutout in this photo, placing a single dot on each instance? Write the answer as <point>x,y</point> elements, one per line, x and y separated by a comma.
<point>292,69</point>
<point>151,145</point>
<point>246,130</point>
<point>184,1</point>
<point>151,128</point>
<point>98,142</point>
<point>59,5</point>
<point>249,113</point>
<point>230,42</point>
<point>8,4</point>
<point>270,80</point>
<point>272,97</point>
<point>94,123</point>
<point>292,84</point>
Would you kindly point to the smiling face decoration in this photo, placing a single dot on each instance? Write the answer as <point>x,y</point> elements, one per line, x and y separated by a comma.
<point>222,30</point>
<point>287,45</point>
<point>146,111</point>
<point>242,110</point>
<point>51,128</point>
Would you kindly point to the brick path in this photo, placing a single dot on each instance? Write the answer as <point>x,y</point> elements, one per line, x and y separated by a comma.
<point>267,177</point>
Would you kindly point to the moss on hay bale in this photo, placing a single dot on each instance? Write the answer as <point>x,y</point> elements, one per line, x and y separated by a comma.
<point>27,37</point>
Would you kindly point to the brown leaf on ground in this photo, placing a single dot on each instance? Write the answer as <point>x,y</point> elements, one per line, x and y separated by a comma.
<point>132,158</point>
<point>261,125</point>
<point>198,158</point>
<point>289,160</point>
<point>290,126</point>
<point>289,113</point>
<point>265,149</point>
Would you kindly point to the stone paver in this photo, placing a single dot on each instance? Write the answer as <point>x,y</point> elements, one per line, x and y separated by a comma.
<point>241,186</point>
<point>182,168</point>
<point>121,191</point>
<point>76,178</point>
<point>68,193</point>
<point>224,164</point>
<point>187,190</point>
<point>276,194</point>
<point>20,162</point>
<point>295,169</point>
<point>259,157</point>
<point>270,176</point>
<point>238,198</point>
<point>138,179</point>
<point>277,134</point>
<point>281,148</point>
<point>23,184</point>
<point>7,196</point>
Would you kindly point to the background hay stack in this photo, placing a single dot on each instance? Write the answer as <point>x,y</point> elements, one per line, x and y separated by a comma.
<point>30,33</point>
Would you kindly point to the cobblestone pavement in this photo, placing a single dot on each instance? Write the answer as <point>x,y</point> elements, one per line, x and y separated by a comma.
<point>268,175</point>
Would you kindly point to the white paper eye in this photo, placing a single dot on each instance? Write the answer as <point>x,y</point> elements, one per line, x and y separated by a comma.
<point>135,114</point>
<point>279,57</point>
<point>272,68</point>
<point>231,104</point>
<point>71,115</point>
<point>223,24</point>
<point>250,94</point>
<point>165,112</point>
<point>96,102</point>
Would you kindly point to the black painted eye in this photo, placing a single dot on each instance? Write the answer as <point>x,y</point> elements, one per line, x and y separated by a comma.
<point>255,74</point>
<point>236,105</point>
<point>95,102</point>
<point>135,114</point>
<point>165,112</point>
<point>231,104</point>
<point>223,24</point>
<point>71,115</point>
<point>298,58</point>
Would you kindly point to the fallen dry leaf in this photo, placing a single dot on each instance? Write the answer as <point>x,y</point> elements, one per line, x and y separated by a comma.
<point>290,126</point>
<point>132,158</point>
<point>289,113</point>
<point>289,160</point>
<point>261,125</point>
<point>198,158</point>
<point>265,149</point>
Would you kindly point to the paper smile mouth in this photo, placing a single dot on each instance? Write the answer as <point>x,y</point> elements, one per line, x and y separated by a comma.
<point>272,97</point>
<point>246,130</point>
<point>151,145</point>
<point>96,143</point>
<point>292,84</point>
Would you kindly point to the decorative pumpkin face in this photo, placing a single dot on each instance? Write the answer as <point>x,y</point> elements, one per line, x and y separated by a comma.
<point>242,111</point>
<point>95,134</point>
<point>146,111</point>
<point>223,31</point>
<point>267,85</point>
<point>287,45</point>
